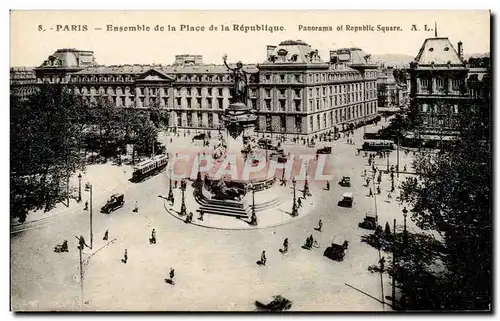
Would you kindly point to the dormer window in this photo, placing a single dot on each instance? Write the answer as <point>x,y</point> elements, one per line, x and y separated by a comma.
<point>294,57</point>
<point>446,49</point>
<point>431,49</point>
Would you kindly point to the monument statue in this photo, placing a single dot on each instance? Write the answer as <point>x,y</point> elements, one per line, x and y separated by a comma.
<point>240,86</point>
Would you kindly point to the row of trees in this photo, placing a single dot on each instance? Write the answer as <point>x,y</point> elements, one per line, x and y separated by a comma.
<point>52,134</point>
<point>452,195</point>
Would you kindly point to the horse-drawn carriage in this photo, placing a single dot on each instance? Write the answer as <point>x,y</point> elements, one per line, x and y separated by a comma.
<point>61,247</point>
<point>336,252</point>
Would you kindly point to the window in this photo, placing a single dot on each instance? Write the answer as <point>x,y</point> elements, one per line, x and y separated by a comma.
<point>209,104</point>
<point>268,104</point>
<point>311,123</point>
<point>424,83</point>
<point>178,102</point>
<point>424,108</point>
<point>283,122</point>
<point>282,92</point>
<point>198,102</point>
<point>297,93</point>
<point>282,78</point>
<point>439,82</point>
<point>268,77</point>
<point>297,105</point>
<point>198,91</point>
<point>189,103</point>
<point>220,102</point>
<point>209,91</point>
<point>297,78</point>
<point>282,105</point>
<point>200,119</point>
<point>210,120</point>
<point>268,93</point>
<point>318,122</point>
<point>298,123</point>
<point>189,91</point>
<point>190,120</point>
<point>269,125</point>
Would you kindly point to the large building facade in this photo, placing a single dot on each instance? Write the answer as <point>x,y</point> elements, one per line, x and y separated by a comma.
<point>438,88</point>
<point>293,92</point>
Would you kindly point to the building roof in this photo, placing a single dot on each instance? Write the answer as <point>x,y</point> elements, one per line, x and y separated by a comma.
<point>164,69</point>
<point>439,51</point>
<point>293,52</point>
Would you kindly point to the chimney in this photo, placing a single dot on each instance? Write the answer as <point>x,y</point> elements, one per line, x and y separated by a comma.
<point>460,50</point>
<point>333,57</point>
<point>270,50</point>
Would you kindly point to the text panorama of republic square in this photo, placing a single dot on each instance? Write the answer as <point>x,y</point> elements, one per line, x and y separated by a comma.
<point>251,28</point>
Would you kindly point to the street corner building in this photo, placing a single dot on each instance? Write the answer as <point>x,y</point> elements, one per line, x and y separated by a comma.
<point>294,92</point>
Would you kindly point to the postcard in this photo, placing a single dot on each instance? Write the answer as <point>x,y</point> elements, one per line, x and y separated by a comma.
<point>228,161</point>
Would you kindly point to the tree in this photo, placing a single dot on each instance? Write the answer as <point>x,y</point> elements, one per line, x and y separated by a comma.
<point>45,140</point>
<point>453,196</point>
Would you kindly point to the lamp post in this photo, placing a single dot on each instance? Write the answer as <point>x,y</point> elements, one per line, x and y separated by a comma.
<point>79,187</point>
<point>306,188</point>
<point>387,153</point>
<point>170,197</point>
<point>198,176</point>
<point>86,262</point>
<point>253,220</point>
<point>405,233</point>
<point>294,206</point>
<point>183,205</point>
<point>88,187</point>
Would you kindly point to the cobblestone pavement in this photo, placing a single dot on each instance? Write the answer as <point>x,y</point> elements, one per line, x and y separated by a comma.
<point>215,270</point>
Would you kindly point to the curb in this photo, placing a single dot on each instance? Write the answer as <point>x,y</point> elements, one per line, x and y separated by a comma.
<point>228,228</point>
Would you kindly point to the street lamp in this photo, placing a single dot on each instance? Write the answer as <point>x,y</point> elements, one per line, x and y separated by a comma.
<point>254,215</point>
<point>387,153</point>
<point>294,206</point>
<point>85,262</point>
<point>170,197</point>
<point>405,233</point>
<point>198,176</point>
<point>88,187</point>
<point>183,205</point>
<point>79,187</point>
<point>306,188</point>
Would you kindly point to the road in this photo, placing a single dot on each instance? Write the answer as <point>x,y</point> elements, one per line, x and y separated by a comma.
<point>215,269</point>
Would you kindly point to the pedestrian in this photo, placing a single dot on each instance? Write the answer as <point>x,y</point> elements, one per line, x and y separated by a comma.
<point>125,257</point>
<point>201,215</point>
<point>171,275</point>
<point>404,168</point>
<point>378,190</point>
<point>153,237</point>
<point>327,186</point>
<point>382,263</point>
<point>371,192</point>
<point>136,207</point>
<point>105,238</point>
<point>86,206</point>
<point>263,258</point>
<point>285,245</point>
<point>299,201</point>
<point>320,225</point>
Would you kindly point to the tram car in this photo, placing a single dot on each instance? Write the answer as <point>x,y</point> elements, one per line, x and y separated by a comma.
<point>149,167</point>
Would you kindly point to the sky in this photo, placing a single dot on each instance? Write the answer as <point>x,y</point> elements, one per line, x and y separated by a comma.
<point>32,39</point>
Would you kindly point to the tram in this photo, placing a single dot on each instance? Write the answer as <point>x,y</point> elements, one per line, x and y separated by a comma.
<point>149,167</point>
